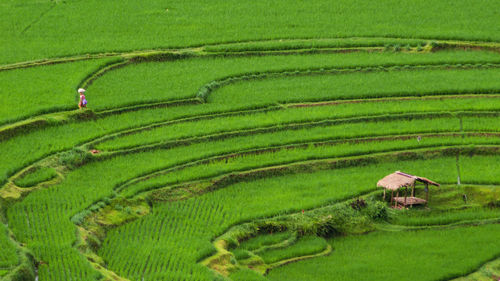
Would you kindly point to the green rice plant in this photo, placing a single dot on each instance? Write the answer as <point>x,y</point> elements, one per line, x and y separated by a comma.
<point>268,157</point>
<point>264,240</point>
<point>263,123</point>
<point>169,243</point>
<point>480,169</point>
<point>8,255</point>
<point>95,180</point>
<point>43,89</point>
<point>207,216</point>
<point>247,275</point>
<point>225,166</point>
<point>36,176</point>
<point>378,256</point>
<point>357,85</point>
<point>305,246</point>
<point>143,28</point>
<point>186,77</point>
<point>419,217</point>
<point>22,150</point>
<point>79,129</point>
<point>240,254</point>
<point>484,124</point>
<point>293,115</point>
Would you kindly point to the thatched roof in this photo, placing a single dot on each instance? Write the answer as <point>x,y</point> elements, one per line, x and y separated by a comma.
<point>399,179</point>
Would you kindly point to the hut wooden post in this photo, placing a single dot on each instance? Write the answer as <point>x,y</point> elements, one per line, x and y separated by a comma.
<point>413,190</point>
<point>406,193</point>
<point>426,194</point>
<point>384,194</point>
<point>395,201</point>
<point>392,196</point>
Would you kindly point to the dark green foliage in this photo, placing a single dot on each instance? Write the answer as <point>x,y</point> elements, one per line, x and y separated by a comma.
<point>75,158</point>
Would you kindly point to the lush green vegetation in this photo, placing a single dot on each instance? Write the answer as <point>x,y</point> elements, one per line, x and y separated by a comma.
<point>359,85</point>
<point>306,245</point>
<point>42,89</point>
<point>218,210</point>
<point>417,255</point>
<point>35,176</point>
<point>264,240</point>
<point>184,78</point>
<point>89,27</point>
<point>8,255</point>
<point>223,142</point>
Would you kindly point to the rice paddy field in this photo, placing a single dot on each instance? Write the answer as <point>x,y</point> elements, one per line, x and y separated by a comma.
<point>243,140</point>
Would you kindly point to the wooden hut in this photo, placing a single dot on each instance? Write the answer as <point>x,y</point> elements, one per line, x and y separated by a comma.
<point>399,180</point>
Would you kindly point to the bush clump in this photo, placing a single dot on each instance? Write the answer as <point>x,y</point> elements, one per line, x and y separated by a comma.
<point>75,158</point>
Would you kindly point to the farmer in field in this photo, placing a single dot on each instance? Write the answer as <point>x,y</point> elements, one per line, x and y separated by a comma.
<point>83,101</point>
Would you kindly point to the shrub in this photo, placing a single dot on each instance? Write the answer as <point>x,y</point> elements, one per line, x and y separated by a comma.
<point>376,210</point>
<point>75,158</point>
<point>94,208</point>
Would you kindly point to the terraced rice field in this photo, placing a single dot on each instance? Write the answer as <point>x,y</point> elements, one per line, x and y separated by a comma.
<point>222,149</point>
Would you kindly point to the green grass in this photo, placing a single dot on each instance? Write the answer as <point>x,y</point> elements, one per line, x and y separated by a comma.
<point>402,255</point>
<point>168,243</point>
<point>24,149</point>
<point>20,150</point>
<point>356,85</point>
<point>171,131</point>
<point>484,124</point>
<point>247,275</point>
<point>44,89</point>
<point>306,245</point>
<point>421,217</point>
<point>204,217</point>
<point>481,170</point>
<point>264,240</point>
<point>240,254</point>
<point>154,81</point>
<point>36,176</point>
<point>345,129</point>
<point>217,167</point>
<point>8,254</point>
<point>92,26</point>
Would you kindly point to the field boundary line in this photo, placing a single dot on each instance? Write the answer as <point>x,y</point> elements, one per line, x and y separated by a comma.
<point>162,145</point>
<point>293,125</point>
<point>223,179</point>
<point>205,90</point>
<point>200,48</point>
<point>328,250</point>
<point>336,163</point>
<point>270,149</point>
